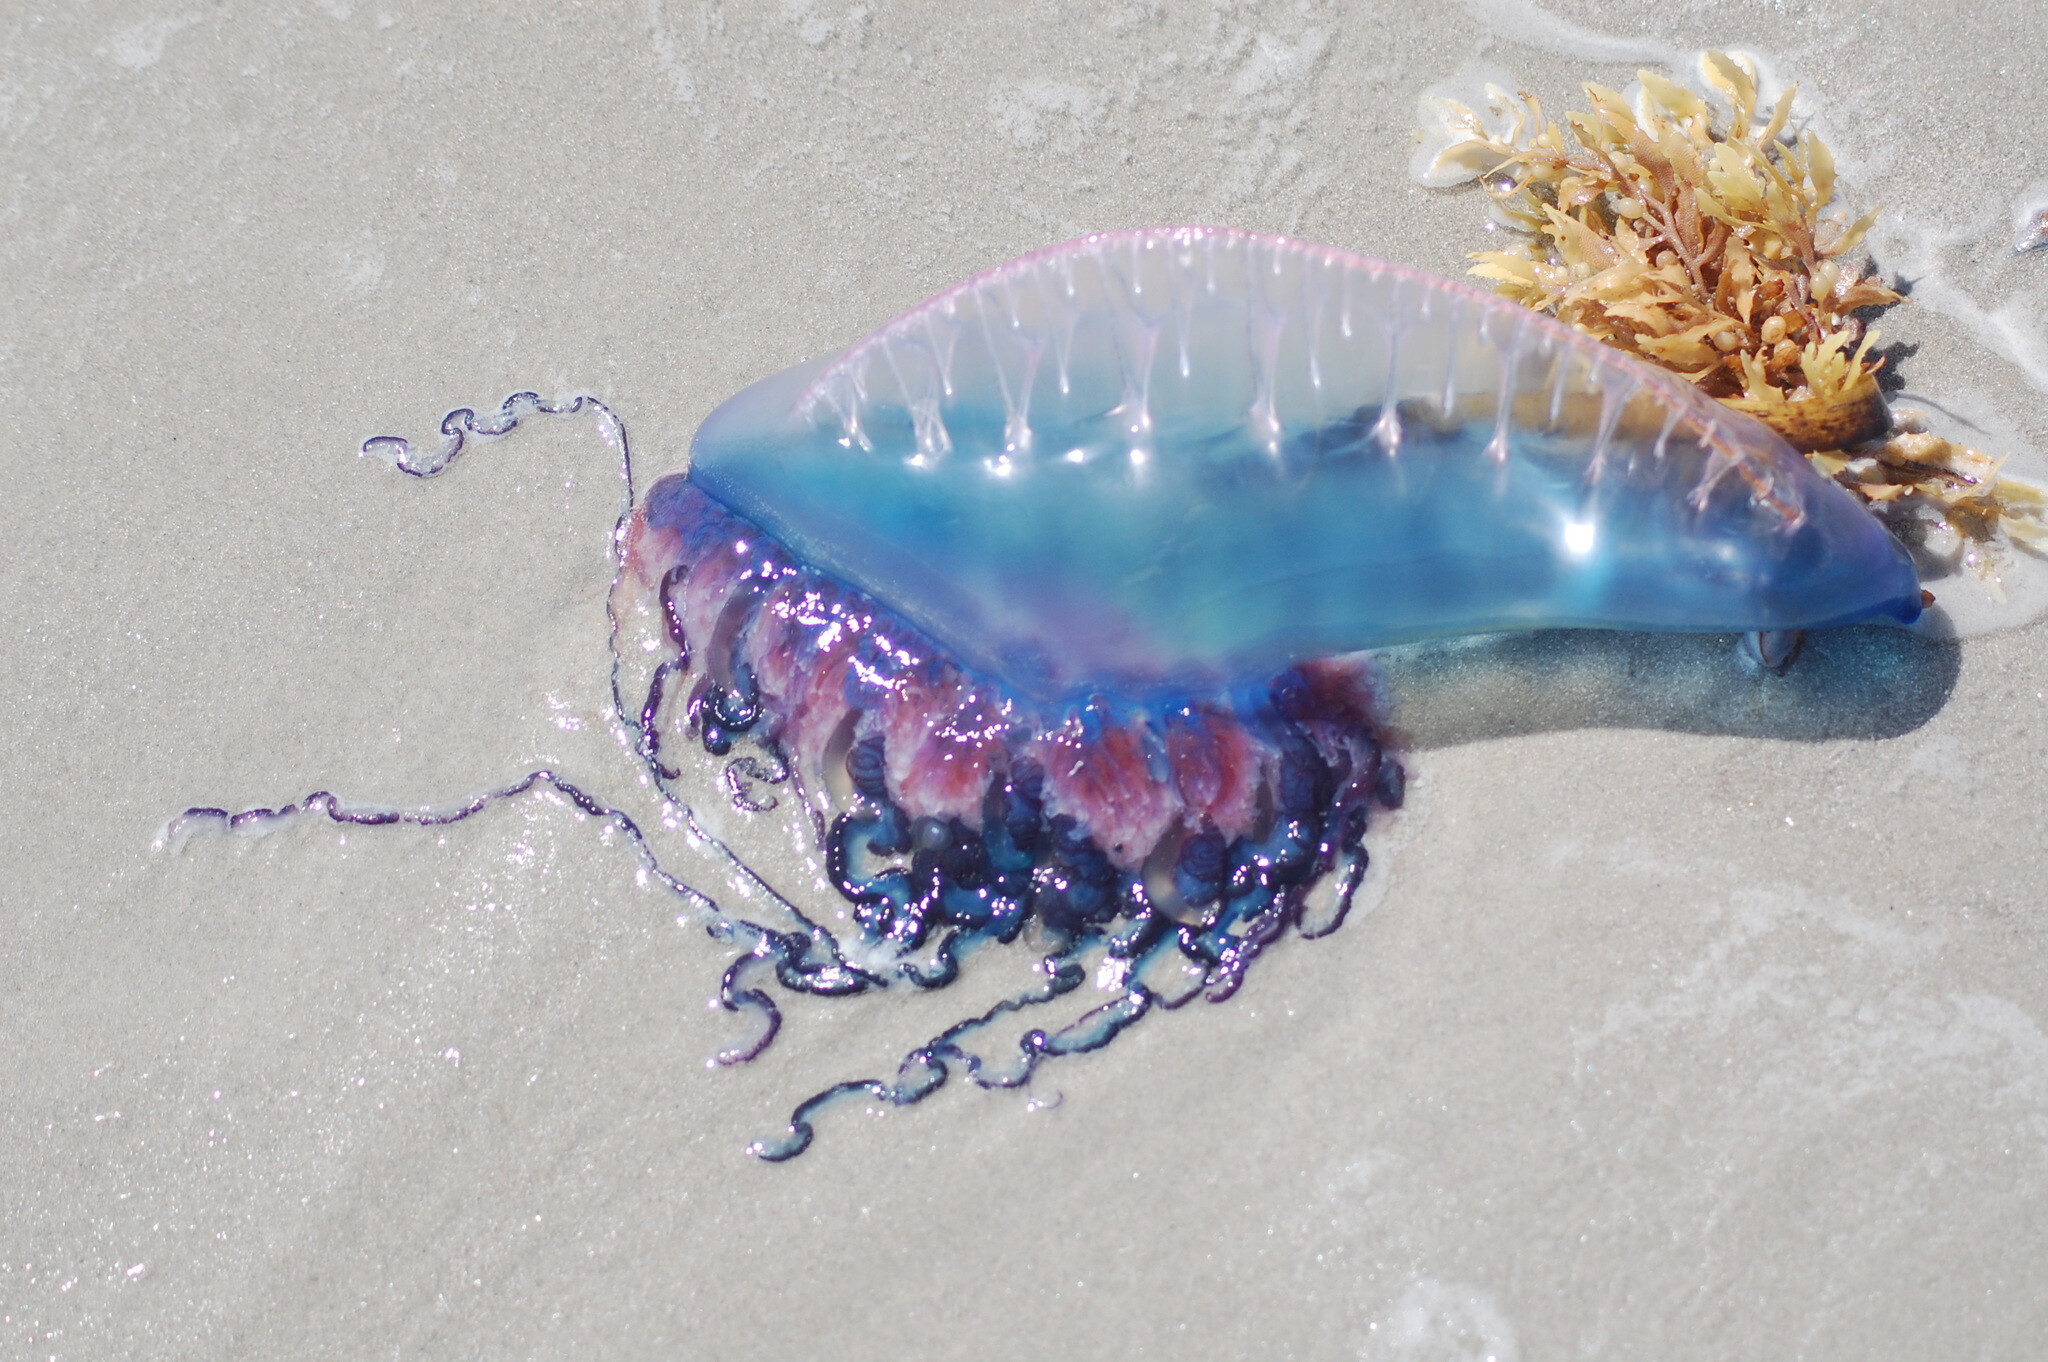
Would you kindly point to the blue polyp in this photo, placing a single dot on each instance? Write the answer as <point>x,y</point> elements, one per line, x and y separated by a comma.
<point>1166,461</point>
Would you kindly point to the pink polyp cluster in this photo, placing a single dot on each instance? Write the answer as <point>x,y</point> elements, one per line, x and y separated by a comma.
<point>1200,809</point>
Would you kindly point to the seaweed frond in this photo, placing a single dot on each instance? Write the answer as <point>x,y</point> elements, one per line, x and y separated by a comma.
<point>1703,241</point>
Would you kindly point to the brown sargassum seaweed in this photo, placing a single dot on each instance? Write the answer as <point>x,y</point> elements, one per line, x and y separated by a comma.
<point>1701,239</point>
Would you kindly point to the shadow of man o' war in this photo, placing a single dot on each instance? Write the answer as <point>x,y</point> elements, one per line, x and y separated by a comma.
<point>1862,682</point>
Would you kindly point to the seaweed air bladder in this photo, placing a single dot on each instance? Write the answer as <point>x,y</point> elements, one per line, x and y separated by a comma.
<point>1043,616</point>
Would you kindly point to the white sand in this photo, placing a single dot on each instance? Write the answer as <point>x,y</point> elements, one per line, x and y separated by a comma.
<point>1702,1016</point>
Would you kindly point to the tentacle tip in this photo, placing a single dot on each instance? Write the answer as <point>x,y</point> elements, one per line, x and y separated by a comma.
<point>784,1149</point>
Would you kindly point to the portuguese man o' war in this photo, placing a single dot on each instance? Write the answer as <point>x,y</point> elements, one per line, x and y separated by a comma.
<point>1047,609</point>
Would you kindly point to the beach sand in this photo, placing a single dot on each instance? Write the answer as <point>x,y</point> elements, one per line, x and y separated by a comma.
<point>1696,1014</point>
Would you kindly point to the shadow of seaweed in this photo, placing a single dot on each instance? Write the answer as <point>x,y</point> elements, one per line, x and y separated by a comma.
<point>1862,682</point>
